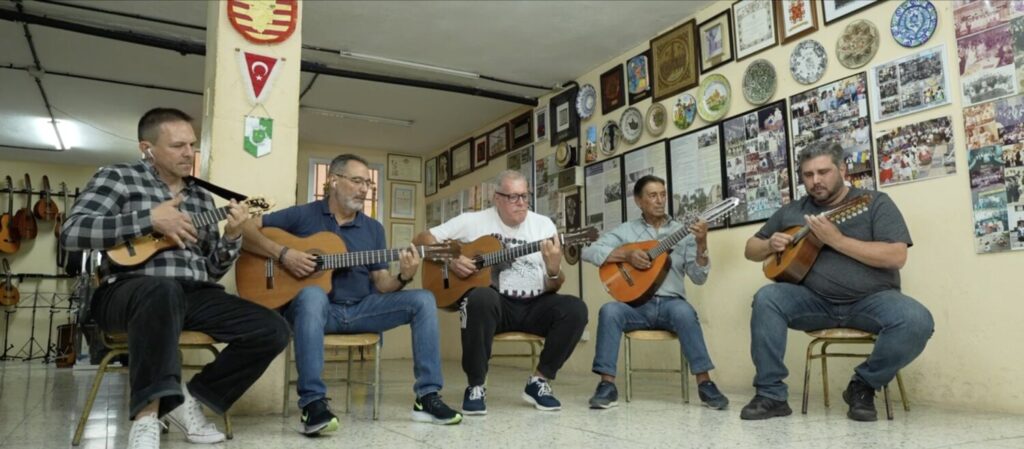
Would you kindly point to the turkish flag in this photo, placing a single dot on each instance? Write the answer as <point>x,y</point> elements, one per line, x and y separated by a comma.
<point>258,71</point>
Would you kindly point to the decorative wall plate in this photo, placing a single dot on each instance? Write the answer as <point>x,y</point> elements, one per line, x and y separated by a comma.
<point>610,135</point>
<point>858,44</point>
<point>656,119</point>
<point>632,125</point>
<point>714,97</point>
<point>685,111</point>
<point>759,81</point>
<point>586,101</point>
<point>914,22</point>
<point>808,61</point>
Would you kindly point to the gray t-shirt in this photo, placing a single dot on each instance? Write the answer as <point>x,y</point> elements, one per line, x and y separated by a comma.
<point>836,276</point>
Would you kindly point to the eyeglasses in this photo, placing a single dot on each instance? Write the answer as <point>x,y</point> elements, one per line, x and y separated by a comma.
<point>358,180</point>
<point>515,198</point>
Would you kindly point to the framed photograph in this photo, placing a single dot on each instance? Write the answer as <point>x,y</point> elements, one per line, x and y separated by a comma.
<point>695,173</point>
<point>916,152</point>
<point>430,177</point>
<point>402,234</point>
<point>573,210</point>
<point>462,158</point>
<point>797,18</point>
<point>564,121</point>
<point>403,201</point>
<point>754,30</point>
<point>497,141</point>
<point>613,93</point>
<point>638,77</point>
<point>909,84</point>
<point>715,36</point>
<point>757,166</point>
<point>522,129</point>
<point>837,9</point>
<point>649,160</point>
<point>674,61</point>
<point>540,122</point>
<point>479,151</point>
<point>444,170</point>
<point>404,168</point>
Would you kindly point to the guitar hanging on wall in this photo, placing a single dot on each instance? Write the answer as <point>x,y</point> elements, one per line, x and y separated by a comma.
<point>9,241</point>
<point>24,220</point>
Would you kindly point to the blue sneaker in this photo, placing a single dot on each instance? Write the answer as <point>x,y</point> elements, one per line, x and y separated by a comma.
<point>711,397</point>
<point>538,393</point>
<point>473,401</point>
<point>606,396</point>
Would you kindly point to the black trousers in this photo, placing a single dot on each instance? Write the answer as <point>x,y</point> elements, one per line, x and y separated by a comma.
<point>154,311</point>
<point>560,319</point>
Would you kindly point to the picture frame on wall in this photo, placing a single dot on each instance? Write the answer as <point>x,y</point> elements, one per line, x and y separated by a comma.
<point>521,130</point>
<point>674,61</point>
<point>638,77</point>
<point>715,38</point>
<point>462,158</point>
<point>797,18</point>
<point>480,151</point>
<point>754,30</point>
<point>757,162</point>
<point>402,234</point>
<point>613,92</point>
<point>497,141</point>
<point>403,201</point>
<point>540,122</point>
<point>403,167</point>
<point>564,122</point>
<point>444,171</point>
<point>430,177</point>
<point>834,10</point>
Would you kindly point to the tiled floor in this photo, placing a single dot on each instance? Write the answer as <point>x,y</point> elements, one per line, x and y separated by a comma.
<point>39,406</point>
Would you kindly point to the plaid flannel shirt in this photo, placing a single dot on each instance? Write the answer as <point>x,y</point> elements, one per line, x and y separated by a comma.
<point>116,206</point>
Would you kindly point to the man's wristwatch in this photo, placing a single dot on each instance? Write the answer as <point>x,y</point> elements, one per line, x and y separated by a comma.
<point>402,281</point>
<point>555,277</point>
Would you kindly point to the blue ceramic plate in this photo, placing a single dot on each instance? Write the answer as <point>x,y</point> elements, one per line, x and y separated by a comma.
<point>914,22</point>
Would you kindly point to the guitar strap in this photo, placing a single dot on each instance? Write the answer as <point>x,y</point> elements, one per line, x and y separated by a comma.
<point>218,190</point>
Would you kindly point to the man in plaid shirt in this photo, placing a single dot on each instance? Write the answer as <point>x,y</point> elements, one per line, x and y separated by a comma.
<point>176,289</point>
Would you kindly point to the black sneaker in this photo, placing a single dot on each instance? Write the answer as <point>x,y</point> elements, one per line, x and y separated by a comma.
<point>763,408</point>
<point>473,401</point>
<point>317,418</point>
<point>711,397</point>
<point>606,396</point>
<point>430,408</point>
<point>538,392</point>
<point>861,398</point>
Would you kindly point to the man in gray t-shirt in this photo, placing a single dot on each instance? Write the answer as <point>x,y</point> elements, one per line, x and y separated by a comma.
<point>853,283</point>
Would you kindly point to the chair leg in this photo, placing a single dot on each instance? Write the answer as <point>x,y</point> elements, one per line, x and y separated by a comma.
<point>348,382</point>
<point>824,370</point>
<point>96,383</point>
<point>684,373</point>
<point>807,376</point>
<point>376,381</point>
<point>629,371</point>
<point>287,380</point>
<point>903,392</point>
<point>888,402</point>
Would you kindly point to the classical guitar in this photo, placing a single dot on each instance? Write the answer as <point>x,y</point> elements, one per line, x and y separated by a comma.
<point>9,295</point>
<point>486,251</point>
<point>141,249</point>
<point>24,221</point>
<point>792,264</point>
<point>266,282</point>
<point>9,242</point>
<point>634,286</point>
<point>46,209</point>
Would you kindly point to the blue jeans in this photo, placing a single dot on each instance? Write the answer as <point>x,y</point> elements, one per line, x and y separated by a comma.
<point>902,324</point>
<point>661,312</point>
<point>312,315</point>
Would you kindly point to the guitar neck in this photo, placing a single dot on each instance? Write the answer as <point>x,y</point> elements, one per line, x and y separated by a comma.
<point>509,254</point>
<point>210,217</point>
<point>360,258</point>
<point>668,242</point>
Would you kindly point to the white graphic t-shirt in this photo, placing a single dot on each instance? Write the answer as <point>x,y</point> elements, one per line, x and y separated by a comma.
<point>523,277</point>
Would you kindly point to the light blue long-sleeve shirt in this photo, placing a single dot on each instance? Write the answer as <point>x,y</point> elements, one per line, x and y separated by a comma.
<point>683,255</point>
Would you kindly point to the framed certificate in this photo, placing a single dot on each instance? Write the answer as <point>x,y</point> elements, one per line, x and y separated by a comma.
<point>402,167</point>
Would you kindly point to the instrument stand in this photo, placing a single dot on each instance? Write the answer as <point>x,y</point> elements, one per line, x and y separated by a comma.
<point>32,343</point>
<point>51,347</point>
<point>7,331</point>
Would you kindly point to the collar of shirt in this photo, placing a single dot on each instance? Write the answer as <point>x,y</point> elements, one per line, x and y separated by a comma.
<point>325,209</point>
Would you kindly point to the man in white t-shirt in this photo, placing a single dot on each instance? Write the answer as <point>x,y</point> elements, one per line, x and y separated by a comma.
<point>522,296</point>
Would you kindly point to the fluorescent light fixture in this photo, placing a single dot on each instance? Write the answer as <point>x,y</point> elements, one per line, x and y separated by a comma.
<point>410,64</point>
<point>358,116</point>
<point>68,133</point>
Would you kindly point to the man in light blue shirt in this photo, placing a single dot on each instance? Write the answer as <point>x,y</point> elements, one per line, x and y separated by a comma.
<point>668,308</point>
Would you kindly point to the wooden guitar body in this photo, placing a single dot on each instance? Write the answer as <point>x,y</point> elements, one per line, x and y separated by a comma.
<point>9,241</point>
<point>9,295</point>
<point>793,264</point>
<point>45,209</point>
<point>24,221</point>
<point>268,283</point>
<point>626,283</point>
<point>448,291</point>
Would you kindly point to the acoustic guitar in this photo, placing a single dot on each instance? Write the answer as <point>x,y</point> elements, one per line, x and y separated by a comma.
<point>45,209</point>
<point>792,264</point>
<point>9,241</point>
<point>9,295</point>
<point>634,286</point>
<point>485,251</point>
<point>24,221</point>
<point>266,282</point>
<point>141,249</point>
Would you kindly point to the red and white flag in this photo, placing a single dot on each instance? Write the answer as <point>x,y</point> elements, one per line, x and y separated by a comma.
<point>259,72</point>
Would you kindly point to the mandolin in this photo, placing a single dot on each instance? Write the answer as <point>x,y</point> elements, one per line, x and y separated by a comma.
<point>485,251</point>
<point>266,282</point>
<point>46,209</point>
<point>9,295</point>
<point>141,249</point>
<point>24,221</point>
<point>792,264</point>
<point>634,286</point>
<point>9,241</point>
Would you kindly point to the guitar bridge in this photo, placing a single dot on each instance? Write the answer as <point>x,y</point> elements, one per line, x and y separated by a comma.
<point>130,247</point>
<point>269,274</point>
<point>625,275</point>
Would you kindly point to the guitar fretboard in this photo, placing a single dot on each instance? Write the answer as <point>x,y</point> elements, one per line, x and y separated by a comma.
<point>359,258</point>
<point>210,217</point>
<point>510,254</point>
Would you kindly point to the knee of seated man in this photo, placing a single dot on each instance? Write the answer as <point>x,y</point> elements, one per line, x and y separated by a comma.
<point>683,312</point>
<point>613,310</point>
<point>765,298</point>
<point>310,300</point>
<point>575,308</point>
<point>162,291</point>
<point>482,299</point>
<point>422,299</point>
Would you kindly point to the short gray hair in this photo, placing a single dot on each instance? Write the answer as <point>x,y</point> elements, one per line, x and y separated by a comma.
<point>821,148</point>
<point>509,175</point>
<point>342,160</point>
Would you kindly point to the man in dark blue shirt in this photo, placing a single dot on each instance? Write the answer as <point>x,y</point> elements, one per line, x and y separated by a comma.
<point>362,298</point>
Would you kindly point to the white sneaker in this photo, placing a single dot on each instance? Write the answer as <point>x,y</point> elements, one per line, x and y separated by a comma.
<point>190,419</point>
<point>145,433</point>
